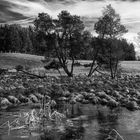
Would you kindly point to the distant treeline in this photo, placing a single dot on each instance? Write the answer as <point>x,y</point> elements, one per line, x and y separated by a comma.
<point>14,38</point>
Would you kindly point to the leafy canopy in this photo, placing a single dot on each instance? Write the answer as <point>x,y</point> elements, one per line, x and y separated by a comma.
<point>109,25</point>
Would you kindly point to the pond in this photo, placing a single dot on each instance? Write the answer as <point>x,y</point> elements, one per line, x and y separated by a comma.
<point>89,123</point>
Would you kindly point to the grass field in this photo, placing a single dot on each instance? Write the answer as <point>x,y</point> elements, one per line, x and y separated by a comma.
<point>131,66</point>
<point>10,60</point>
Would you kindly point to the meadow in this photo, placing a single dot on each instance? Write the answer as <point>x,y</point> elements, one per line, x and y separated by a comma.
<point>34,62</point>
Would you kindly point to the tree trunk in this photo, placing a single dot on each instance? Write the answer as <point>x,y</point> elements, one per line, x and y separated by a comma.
<point>69,74</point>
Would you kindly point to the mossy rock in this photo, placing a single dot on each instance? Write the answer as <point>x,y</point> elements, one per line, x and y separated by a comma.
<point>33,98</point>
<point>66,93</point>
<point>79,98</point>
<point>13,99</point>
<point>39,96</point>
<point>112,103</point>
<point>132,105</point>
<point>84,101</point>
<point>95,100</point>
<point>22,99</point>
<point>5,103</point>
<point>103,102</point>
<point>101,94</point>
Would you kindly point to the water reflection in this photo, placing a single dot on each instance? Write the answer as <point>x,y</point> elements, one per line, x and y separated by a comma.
<point>89,123</point>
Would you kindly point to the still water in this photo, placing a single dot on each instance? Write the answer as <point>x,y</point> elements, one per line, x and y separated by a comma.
<point>90,123</point>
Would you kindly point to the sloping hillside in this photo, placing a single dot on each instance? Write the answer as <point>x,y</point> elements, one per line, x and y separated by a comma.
<point>10,60</point>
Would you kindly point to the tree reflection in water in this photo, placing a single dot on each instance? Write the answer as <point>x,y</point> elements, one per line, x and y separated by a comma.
<point>71,133</point>
<point>107,120</point>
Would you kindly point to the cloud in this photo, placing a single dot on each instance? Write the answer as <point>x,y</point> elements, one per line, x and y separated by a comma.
<point>24,11</point>
<point>15,11</point>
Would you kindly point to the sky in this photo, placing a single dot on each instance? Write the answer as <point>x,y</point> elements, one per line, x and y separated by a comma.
<point>25,11</point>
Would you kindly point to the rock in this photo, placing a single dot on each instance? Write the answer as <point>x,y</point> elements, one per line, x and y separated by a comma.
<point>67,93</point>
<point>33,98</point>
<point>100,82</point>
<point>126,89</point>
<point>79,97</point>
<point>112,103</point>
<point>39,96</point>
<point>109,92</point>
<point>103,102</point>
<point>82,117</point>
<point>101,94</point>
<point>124,101</point>
<point>137,93</point>
<point>41,89</point>
<point>138,101</point>
<point>85,94</point>
<point>132,105</point>
<point>92,90</point>
<point>5,103</point>
<point>84,101</point>
<point>13,100</point>
<point>22,99</point>
<point>73,100</point>
<point>91,96</point>
<point>62,99</point>
<point>52,103</point>
<point>134,99</point>
<point>132,91</point>
<point>12,70</point>
<point>1,89</point>
<point>117,94</point>
<point>95,100</point>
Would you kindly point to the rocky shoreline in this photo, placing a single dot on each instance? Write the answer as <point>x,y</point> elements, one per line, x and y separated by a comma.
<point>20,89</point>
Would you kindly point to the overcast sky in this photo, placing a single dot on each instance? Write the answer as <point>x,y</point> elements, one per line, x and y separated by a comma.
<point>24,11</point>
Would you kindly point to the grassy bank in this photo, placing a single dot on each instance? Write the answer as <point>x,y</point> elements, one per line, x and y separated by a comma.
<point>10,60</point>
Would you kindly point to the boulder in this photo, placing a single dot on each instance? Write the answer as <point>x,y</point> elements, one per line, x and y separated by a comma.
<point>39,96</point>
<point>67,93</point>
<point>62,99</point>
<point>33,98</point>
<point>95,100</point>
<point>112,103</point>
<point>101,94</point>
<point>137,93</point>
<point>13,99</point>
<point>85,94</point>
<point>12,70</point>
<point>92,90</point>
<point>132,105</point>
<point>103,102</point>
<point>79,98</point>
<point>132,91</point>
<point>22,99</point>
<point>117,94</point>
<point>5,103</point>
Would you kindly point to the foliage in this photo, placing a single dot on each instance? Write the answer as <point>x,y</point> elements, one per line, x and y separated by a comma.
<point>14,38</point>
<point>64,36</point>
<point>19,67</point>
<point>109,28</point>
<point>33,119</point>
<point>109,25</point>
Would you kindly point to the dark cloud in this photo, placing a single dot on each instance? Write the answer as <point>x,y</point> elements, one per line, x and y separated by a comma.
<point>7,15</point>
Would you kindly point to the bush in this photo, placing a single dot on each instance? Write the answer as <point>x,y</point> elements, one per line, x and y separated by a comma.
<point>19,67</point>
<point>88,65</point>
<point>52,65</point>
<point>77,64</point>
